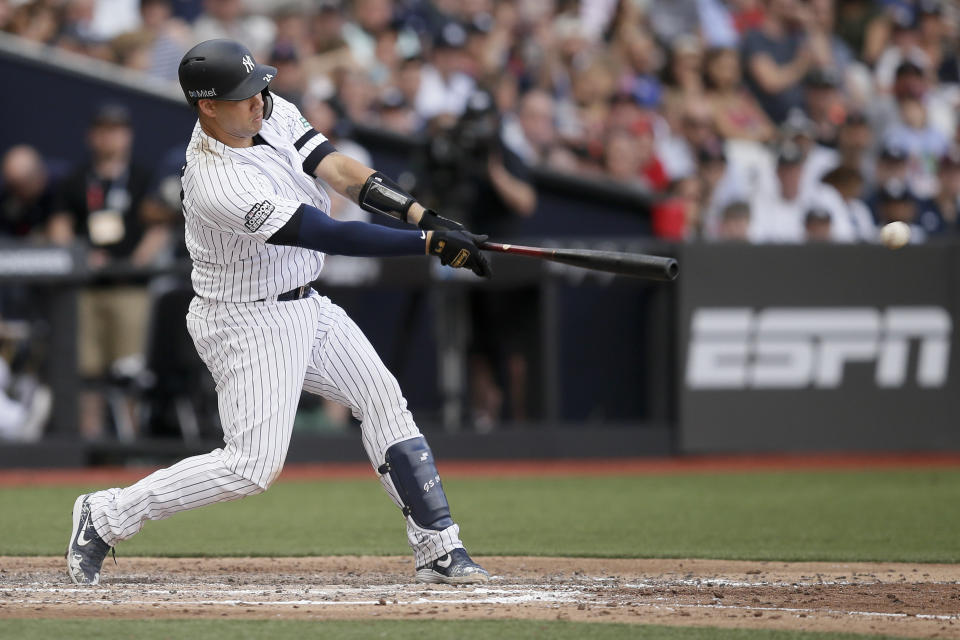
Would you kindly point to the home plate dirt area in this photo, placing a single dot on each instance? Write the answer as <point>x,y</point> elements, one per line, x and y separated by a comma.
<point>920,600</point>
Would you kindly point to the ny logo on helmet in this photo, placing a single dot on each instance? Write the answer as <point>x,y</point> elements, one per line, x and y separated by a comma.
<point>248,63</point>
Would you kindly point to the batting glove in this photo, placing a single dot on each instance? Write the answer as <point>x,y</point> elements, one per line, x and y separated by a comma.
<point>461,250</point>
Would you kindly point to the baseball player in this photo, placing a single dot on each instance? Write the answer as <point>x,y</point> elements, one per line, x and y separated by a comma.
<point>257,230</point>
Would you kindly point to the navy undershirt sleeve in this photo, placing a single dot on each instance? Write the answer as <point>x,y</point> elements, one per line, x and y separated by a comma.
<point>311,228</point>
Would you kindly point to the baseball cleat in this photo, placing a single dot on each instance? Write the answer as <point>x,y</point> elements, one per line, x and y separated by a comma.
<point>86,549</point>
<point>454,568</point>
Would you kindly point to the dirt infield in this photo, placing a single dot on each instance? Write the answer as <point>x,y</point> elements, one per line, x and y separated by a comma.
<point>899,599</point>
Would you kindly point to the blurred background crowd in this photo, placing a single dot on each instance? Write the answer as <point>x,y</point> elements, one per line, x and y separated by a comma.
<point>779,121</point>
<point>763,120</point>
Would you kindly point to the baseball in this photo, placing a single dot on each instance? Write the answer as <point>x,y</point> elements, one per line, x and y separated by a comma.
<point>895,235</point>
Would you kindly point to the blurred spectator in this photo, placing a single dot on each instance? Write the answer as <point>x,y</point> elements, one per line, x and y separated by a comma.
<point>895,203</point>
<point>683,76</point>
<point>734,223</point>
<point>913,83</point>
<point>891,165</point>
<point>903,45</point>
<point>942,212</point>
<point>849,183</point>
<point>642,59</point>
<point>817,225</point>
<point>167,37</point>
<point>779,216</point>
<point>922,142</point>
<point>24,404</point>
<point>862,25</point>
<point>935,40</point>
<point>627,159</point>
<point>688,192</point>
<point>678,153</point>
<point>327,48</point>
<point>114,17</point>
<point>817,159</point>
<point>444,87</point>
<point>855,145</point>
<point>837,55</point>
<point>228,19</point>
<point>396,114</point>
<point>26,197</point>
<point>671,19</point>
<point>406,79</point>
<point>735,111</point>
<point>36,21</point>
<point>722,185</point>
<point>99,204</point>
<point>371,21</point>
<point>530,132</point>
<point>777,56</point>
<point>290,81</point>
<point>293,28</point>
<point>824,105</point>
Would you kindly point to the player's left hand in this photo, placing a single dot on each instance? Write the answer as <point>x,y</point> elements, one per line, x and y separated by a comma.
<point>432,221</point>
<point>459,249</point>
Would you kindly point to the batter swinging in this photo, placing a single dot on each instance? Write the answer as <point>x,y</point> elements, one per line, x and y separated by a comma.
<point>257,231</point>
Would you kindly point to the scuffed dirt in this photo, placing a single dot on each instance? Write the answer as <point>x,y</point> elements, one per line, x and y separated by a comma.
<point>898,599</point>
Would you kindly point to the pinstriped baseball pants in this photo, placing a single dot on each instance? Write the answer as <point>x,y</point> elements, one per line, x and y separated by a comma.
<point>261,355</point>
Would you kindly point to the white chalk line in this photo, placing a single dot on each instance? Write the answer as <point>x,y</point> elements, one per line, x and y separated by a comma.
<point>882,614</point>
<point>332,590</point>
<point>479,596</point>
<point>518,599</point>
<point>255,590</point>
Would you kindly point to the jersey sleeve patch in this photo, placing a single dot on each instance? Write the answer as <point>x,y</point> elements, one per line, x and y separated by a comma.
<point>258,214</point>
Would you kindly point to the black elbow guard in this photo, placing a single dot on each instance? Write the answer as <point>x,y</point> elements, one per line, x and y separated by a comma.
<point>382,195</point>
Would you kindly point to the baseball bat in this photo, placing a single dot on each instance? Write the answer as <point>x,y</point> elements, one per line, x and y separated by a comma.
<point>637,265</point>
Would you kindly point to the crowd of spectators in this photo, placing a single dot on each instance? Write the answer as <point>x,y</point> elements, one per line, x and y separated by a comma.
<point>763,120</point>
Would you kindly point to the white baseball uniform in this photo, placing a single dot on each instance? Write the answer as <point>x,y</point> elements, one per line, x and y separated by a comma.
<point>261,351</point>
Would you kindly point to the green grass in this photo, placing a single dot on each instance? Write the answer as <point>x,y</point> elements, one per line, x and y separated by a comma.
<point>894,516</point>
<point>390,629</point>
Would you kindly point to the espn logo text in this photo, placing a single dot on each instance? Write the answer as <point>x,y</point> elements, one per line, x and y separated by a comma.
<point>799,347</point>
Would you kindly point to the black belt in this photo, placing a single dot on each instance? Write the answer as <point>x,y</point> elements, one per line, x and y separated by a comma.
<point>294,294</point>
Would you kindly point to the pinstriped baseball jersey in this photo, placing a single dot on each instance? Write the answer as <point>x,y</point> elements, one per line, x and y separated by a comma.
<point>262,352</point>
<point>234,199</point>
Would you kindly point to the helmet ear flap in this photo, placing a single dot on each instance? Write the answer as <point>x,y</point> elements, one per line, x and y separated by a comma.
<point>267,103</point>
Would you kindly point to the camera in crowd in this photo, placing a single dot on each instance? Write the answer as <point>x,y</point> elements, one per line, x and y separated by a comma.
<point>467,143</point>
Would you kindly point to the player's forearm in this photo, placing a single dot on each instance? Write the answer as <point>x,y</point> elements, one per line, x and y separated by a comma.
<point>378,193</point>
<point>345,175</point>
<point>310,228</point>
<point>373,191</point>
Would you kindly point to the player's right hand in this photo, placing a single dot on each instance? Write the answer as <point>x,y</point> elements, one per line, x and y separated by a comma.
<point>459,249</point>
<point>432,221</point>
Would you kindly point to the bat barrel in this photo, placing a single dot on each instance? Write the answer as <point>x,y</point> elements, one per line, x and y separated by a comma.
<point>629,264</point>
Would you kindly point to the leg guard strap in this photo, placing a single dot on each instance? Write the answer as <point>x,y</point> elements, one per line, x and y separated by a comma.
<point>414,475</point>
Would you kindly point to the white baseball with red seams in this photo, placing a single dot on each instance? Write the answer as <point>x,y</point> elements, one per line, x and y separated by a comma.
<point>262,352</point>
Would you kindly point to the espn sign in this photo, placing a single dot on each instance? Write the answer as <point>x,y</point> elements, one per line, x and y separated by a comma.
<point>799,347</point>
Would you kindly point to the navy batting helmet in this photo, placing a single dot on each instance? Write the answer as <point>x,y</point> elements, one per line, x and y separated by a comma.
<point>224,70</point>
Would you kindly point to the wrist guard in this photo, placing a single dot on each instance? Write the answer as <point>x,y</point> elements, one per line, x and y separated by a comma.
<point>431,221</point>
<point>382,195</point>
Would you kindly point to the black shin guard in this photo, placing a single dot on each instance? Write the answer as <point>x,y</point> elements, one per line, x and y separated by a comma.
<point>414,475</point>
